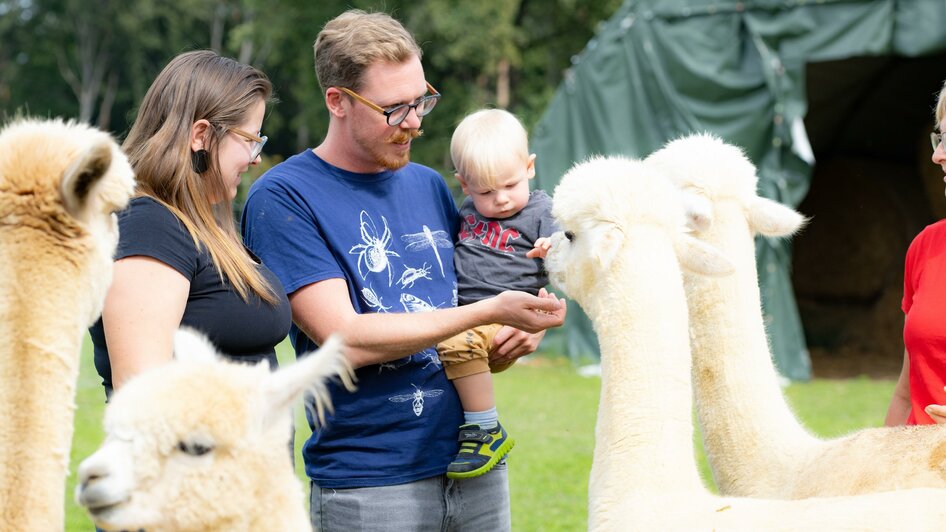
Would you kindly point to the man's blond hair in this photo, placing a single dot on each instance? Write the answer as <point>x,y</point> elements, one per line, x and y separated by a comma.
<point>354,40</point>
<point>486,144</point>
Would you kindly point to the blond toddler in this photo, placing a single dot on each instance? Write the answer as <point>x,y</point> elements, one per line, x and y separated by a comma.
<point>504,230</point>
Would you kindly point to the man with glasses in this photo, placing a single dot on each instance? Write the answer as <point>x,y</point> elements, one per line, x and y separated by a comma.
<point>362,240</point>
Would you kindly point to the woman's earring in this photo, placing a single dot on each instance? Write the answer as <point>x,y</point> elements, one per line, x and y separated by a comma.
<point>200,161</point>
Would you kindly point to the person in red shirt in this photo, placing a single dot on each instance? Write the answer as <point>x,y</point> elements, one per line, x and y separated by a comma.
<point>919,397</point>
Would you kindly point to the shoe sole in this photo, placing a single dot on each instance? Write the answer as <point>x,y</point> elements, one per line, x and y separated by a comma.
<point>486,468</point>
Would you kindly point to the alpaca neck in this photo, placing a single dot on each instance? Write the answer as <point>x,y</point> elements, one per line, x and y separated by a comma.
<point>747,425</point>
<point>644,431</point>
<point>41,332</point>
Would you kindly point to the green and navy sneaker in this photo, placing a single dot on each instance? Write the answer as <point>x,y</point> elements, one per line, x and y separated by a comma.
<point>480,450</point>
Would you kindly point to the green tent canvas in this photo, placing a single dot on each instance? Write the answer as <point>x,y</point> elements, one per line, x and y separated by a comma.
<point>659,69</point>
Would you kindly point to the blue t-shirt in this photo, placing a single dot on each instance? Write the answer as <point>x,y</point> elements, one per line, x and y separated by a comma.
<point>390,237</point>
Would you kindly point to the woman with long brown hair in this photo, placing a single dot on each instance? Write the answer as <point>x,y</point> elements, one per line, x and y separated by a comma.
<point>180,260</point>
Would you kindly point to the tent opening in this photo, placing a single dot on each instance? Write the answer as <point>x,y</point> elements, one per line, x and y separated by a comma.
<point>873,189</point>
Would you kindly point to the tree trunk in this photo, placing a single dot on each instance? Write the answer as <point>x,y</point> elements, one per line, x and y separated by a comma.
<point>502,83</point>
<point>105,107</point>
<point>217,27</point>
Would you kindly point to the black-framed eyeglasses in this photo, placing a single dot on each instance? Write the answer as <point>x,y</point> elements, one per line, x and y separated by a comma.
<point>258,142</point>
<point>396,114</point>
<point>936,139</point>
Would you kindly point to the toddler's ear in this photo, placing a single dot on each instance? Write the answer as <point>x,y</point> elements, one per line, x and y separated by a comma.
<point>462,182</point>
<point>530,166</point>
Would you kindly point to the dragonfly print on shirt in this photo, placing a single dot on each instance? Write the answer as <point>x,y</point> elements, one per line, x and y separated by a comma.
<point>427,239</point>
<point>373,251</point>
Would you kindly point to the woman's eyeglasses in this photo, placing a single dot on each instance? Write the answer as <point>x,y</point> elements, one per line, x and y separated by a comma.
<point>396,114</point>
<point>258,142</point>
<point>936,139</point>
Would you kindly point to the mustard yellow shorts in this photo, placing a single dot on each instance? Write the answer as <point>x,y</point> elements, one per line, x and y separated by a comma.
<point>468,352</point>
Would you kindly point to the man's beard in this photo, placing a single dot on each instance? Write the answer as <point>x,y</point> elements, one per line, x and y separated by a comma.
<point>390,161</point>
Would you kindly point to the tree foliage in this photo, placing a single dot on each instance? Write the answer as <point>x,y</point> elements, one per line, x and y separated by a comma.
<point>93,60</point>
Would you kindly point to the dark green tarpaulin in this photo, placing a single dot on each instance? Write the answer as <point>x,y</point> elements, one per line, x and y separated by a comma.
<point>659,69</point>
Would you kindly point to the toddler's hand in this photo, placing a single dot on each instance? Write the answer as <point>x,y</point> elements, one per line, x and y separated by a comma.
<point>540,248</point>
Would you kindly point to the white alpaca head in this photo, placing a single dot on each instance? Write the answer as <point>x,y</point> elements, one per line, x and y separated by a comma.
<point>707,169</point>
<point>60,183</point>
<point>595,202</point>
<point>196,444</point>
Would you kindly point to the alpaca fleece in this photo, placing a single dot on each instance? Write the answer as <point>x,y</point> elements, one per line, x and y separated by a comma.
<point>60,183</point>
<point>623,260</point>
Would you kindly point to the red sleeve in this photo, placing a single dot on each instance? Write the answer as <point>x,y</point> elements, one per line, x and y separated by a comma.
<point>910,266</point>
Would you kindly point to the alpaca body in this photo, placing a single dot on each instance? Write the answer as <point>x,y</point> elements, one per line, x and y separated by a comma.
<point>620,263</point>
<point>754,443</point>
<point>206,439</point>
<point>59,185</point>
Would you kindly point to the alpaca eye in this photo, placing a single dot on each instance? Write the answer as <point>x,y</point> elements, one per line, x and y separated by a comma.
<point>569,236</point>
<point>193,448</point>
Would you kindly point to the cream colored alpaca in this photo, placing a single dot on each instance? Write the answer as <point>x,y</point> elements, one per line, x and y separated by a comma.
<point>618,258</point>
<point>754,444</point>
<point>59,184</point>
<point>200,444</point>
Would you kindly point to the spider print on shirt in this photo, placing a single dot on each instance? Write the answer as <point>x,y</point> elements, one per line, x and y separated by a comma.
<point>373,252</point>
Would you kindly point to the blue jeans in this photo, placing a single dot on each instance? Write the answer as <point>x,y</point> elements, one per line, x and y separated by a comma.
<point>431,504</point>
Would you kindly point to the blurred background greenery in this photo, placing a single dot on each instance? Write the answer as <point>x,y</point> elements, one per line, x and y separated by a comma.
<point>93,60</point>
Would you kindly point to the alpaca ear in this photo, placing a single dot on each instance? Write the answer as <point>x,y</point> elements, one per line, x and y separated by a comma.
<point>82,177</point>
<point>770,218</point>
<point>607,242</point>
<point>698,210</point>
<point>310,373</point>
<point>191,345</point>
<point>701,258</point>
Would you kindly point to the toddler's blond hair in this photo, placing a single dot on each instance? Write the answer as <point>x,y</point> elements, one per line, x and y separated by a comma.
<point>486,144</point>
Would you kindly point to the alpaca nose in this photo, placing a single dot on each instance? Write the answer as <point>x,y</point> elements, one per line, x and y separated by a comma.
<point>104,478</point>
<point>92,486</point>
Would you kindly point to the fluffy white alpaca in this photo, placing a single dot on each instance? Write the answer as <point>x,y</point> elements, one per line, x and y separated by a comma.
<point>618,258</point>
<point>200,444</point>
<point>754,444</point>
<point>59,185</point>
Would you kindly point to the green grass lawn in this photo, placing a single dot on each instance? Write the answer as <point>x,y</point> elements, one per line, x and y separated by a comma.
<point>550,410</point>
